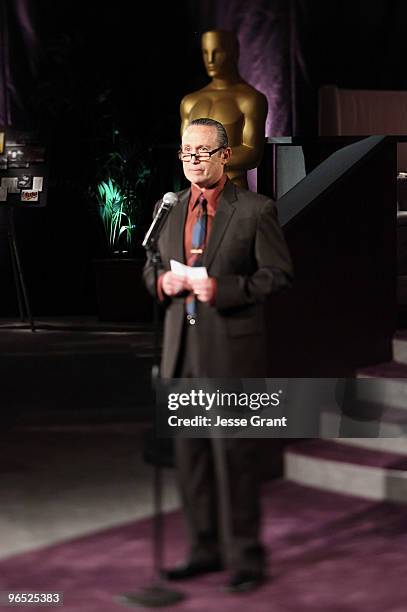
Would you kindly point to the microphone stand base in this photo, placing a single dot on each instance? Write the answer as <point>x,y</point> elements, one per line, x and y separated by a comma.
<point>152,597</point>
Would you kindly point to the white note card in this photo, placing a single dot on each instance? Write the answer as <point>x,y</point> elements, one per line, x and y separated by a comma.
<point>190,272</point>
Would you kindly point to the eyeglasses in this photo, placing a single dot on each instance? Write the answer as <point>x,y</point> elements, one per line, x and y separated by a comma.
<point>202,156</point>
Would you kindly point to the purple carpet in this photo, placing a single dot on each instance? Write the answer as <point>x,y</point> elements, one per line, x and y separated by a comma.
<point>327,553</point>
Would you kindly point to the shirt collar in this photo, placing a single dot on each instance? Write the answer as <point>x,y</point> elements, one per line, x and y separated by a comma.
<point>211,194</point>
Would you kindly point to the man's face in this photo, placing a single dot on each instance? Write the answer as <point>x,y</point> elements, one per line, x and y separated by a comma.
<point>198,138</point>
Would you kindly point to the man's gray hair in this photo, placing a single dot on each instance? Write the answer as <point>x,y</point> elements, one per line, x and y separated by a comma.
<point>222,136</point>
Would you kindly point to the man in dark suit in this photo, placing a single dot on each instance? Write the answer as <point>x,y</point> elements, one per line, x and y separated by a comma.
<point>214,327</point>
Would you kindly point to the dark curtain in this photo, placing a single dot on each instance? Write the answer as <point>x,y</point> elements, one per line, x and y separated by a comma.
<point>359,44</point>
<point>289,48</point>
<point>265,34</point>
<point>83,75</point>
<point>19,60</point>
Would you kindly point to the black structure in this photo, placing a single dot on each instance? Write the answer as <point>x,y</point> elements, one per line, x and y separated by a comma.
<point>340,225</point>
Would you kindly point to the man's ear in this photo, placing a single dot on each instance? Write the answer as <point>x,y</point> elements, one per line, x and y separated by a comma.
<point>227,154</point>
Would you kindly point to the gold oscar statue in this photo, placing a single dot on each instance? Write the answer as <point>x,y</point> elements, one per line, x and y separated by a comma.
<point>230,100</point>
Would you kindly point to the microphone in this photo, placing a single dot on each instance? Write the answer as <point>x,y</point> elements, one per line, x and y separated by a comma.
<point>170,199</point>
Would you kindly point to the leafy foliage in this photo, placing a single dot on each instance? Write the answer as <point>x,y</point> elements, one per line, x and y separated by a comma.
<point>116,213</point>
<point>124,178</point>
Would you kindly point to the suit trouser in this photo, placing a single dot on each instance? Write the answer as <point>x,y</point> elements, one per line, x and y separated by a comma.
<point>219,485</point>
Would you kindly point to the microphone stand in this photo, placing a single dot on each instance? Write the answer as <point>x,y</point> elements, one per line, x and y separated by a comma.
<point>157,594</point>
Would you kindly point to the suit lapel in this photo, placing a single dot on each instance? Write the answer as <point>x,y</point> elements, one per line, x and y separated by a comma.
<point>223,216</point>
<point>177,224</point>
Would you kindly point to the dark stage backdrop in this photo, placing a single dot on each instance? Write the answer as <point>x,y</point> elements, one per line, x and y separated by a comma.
<point>78,60</point>
<point>78,71</point>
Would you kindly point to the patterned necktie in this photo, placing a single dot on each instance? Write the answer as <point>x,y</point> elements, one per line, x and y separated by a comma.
<point>194,257</point>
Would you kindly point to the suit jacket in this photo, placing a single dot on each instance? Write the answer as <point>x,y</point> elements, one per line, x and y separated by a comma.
<point>248,256</point>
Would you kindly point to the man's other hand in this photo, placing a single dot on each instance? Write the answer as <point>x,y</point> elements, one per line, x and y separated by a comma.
<point>204,289</point>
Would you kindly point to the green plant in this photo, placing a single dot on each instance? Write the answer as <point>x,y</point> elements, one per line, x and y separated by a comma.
<point>117,214</point>
<point>122,186</point>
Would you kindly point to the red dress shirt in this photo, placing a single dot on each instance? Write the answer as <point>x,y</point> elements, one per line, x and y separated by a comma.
<point>211,195</point>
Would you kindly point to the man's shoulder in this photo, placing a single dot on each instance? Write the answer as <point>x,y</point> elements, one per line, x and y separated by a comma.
<point>244,197</point>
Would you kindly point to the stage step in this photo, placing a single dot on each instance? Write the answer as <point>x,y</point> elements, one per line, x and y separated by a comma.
<point>373,466</point>
<point>387,445</point>
<point>348,469</point>
<point>394,376</point>
<point>392,424</point>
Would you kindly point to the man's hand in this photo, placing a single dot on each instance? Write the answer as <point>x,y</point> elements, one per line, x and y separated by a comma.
<point>204,289</point>
<point>173,283</point>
